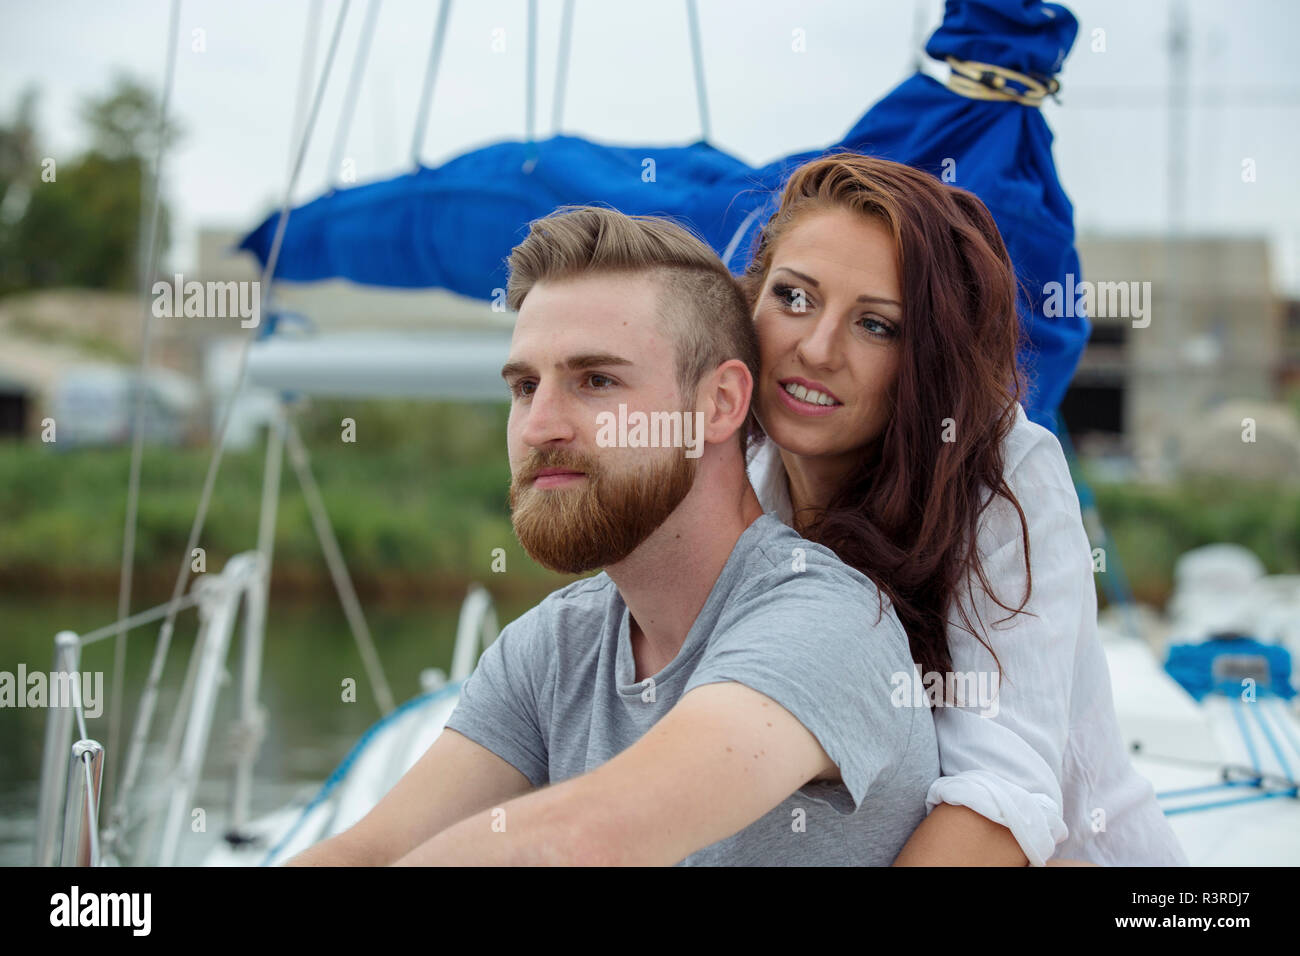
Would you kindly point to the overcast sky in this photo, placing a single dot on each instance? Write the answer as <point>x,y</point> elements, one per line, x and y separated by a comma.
<point>630,81</point>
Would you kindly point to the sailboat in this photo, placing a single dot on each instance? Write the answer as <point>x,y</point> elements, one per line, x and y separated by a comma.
<point>450,227</point>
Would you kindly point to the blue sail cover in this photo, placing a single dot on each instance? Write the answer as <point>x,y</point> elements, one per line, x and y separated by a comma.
<point>453,226</point>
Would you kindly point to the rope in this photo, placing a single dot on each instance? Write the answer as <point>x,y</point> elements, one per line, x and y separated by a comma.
<point>1272,741</point>
<point>430,77</point>
<point>988,81</point>
<point>530,77</point>
<point>338,569</point>
<point>701,94</point>
<point>147,269</point>
<point>342,769</point>
<point>562,66</point>
<point>1281,721</point>
<point>739,235</point>
<point>130,623</point>
<point>1188,791</point>
<point>306,71</point>
<point>1245,733</point>
<point>353,91</point>
<point>1231,803</point>
<point>149,697</point>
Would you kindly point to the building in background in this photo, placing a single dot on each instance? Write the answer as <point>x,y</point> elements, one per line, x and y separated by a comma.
<point>71,354</point>
<point>1211,331</point>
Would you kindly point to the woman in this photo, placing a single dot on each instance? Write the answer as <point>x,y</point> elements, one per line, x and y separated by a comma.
<point>887,427</point>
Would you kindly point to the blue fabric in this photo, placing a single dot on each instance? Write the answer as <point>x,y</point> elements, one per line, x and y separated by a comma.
<point>453,226</point>
<point>1192,665</point>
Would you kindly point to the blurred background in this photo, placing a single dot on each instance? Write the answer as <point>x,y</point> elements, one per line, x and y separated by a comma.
<point>1177,134</point>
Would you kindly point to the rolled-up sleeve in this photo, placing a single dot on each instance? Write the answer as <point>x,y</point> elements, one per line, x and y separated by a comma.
<point>1004,758</point>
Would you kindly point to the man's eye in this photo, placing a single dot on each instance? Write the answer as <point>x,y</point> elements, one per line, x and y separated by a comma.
<point>597,377</point>
<point>523,388</point>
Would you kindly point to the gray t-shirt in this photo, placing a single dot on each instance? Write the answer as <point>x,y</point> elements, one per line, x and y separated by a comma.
<point>555,696</point>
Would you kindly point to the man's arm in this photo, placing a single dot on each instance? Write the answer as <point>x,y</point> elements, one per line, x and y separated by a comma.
<point>722,757</point>
<point>454,779</point>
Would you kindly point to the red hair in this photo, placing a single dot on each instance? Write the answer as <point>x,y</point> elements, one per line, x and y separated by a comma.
<point>908,514</point>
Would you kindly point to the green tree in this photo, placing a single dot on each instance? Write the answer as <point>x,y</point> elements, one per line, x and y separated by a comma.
<point>18,146</point>
<point>83,229</point>
<point>17,174</point>
<point>124,122</point>
<point>81,225</point>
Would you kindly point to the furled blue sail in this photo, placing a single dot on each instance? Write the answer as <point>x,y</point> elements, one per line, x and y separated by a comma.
<point>453,226</point>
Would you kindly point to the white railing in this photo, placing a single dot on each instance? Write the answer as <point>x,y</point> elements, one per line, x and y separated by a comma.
<point>71,770</point>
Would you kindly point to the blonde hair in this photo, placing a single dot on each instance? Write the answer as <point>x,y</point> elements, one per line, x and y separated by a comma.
<point>701,304</point>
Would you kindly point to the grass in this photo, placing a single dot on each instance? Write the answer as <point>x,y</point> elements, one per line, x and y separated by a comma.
<point>418,504</point>
<point>418,510</point>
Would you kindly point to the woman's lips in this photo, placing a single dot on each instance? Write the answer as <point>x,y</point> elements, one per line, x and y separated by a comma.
<point>800,407</point>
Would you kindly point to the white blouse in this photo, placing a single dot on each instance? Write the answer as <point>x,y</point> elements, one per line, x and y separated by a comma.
<point>1048,762</point>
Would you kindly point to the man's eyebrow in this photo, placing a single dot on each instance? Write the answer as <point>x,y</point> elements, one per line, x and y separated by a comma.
<point>574,363</point>
<point>813,282</point>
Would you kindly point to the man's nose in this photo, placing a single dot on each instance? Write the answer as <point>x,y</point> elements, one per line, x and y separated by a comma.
<point>548,417</point>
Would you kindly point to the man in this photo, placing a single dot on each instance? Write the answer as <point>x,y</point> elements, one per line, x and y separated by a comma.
<point>721,694</point>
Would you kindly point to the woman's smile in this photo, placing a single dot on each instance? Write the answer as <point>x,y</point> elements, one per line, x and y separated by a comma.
<point>807,398</point>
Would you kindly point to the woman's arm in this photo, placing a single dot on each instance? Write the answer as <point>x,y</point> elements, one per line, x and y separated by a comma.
<point>1003,758</point>
<point>958,836</point>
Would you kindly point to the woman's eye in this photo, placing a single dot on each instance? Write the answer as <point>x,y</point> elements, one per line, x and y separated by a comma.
<point>876,326</point>
<point>794,299</point>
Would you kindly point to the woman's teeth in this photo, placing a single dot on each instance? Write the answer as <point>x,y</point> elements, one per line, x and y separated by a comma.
<point>807,395</point>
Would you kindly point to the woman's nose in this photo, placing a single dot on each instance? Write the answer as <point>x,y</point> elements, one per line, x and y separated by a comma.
<point>820,345</point>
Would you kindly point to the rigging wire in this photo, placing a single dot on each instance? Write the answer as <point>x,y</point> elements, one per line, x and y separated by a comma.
<point>430,78</point>
<point>530,76</point>
<point>149,696</point>
<point>562,67</point>
<point>697,55</point>
<point>148,267</point>
<point>353,90</point>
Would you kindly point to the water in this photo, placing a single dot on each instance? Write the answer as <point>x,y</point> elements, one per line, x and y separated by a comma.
<point>309,728</point>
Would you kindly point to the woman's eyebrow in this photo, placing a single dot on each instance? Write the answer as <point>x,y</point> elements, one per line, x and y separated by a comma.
<point>816,285</point>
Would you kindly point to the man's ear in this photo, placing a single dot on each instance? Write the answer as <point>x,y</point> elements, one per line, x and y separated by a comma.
<point>727,391</point>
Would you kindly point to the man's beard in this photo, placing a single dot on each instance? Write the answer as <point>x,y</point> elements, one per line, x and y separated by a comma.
<point>601,521</point>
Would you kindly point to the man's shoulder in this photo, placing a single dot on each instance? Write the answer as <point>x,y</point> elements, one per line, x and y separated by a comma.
<point>576,605</point>
<point>784,559</point>
<point>789,582</point>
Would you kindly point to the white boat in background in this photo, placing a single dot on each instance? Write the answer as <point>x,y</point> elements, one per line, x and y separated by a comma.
<point>1225,767</point>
